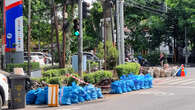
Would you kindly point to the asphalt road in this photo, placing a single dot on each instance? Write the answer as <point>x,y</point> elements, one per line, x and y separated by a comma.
<point>167,94</point>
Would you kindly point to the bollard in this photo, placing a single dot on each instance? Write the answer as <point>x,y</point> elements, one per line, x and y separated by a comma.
<point>53,95</point>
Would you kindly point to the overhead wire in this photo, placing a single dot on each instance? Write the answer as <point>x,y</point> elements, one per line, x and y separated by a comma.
<point>145,8</point>
<point>141,5</point>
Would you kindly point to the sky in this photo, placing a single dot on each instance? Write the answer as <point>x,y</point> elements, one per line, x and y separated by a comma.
<point>90,1</point>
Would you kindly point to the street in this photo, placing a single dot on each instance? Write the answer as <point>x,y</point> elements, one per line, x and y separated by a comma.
<point>172,93</point>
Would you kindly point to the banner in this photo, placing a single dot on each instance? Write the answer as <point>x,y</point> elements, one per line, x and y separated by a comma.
<point>13,24</point>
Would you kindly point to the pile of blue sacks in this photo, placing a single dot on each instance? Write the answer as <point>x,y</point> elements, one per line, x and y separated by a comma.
<point>130,83</point>
<point>67,95</point>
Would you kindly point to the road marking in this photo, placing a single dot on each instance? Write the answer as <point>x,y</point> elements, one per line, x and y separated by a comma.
<point>187,83</point>
<point>183,87</point>
<point>75,108</point>
<point>156,93</point>
<point>169,81</point>
<point>69,109</point>
<point>180,81</point>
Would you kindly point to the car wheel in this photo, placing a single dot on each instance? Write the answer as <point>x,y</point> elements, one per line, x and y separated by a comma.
<point>1,102</point>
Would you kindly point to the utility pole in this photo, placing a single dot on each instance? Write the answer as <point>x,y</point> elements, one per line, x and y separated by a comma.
<point>118,31</point>
<point>80,40</point>
<point>29,34</point>
<point>122,50</point>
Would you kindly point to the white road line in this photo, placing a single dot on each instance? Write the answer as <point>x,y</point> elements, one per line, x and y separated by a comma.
<point>156,93</point>
<point>188,87</point>
<point>164,79</point>
<point>180,81</point>
<point>187,83</point>
<point>169,81</point>
<point>69,109</point>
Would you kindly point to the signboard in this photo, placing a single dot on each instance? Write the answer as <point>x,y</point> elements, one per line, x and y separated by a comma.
<point>13,24</point>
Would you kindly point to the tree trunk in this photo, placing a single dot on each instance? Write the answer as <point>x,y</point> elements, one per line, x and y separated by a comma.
<point>29,36</point>
<point>57,35</point>
<point>52,33</point>
<point>108,25</point>
<point>64,36</point>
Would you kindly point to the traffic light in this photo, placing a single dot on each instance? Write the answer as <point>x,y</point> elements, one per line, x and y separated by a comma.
<point>86,9</point>
<point>76,27</point>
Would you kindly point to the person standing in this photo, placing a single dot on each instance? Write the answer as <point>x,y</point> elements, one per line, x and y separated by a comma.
<point>162,58</point>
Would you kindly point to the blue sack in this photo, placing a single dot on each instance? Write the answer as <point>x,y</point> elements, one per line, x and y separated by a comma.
<point>87,97</point>
<point>131,76</point>
<point>65,95</point>
<point>137,83</point>
<point>141,78</point>
<point>150,78</point>
<point>91,90</point>
<point>99,93</point>
<point>41,97</point>
<point>123,77</point>
<point>128,85</point>
<point>31,97</point>
<point>74,98</point>
<point>116,88</point>
<point>123,86</point>
<point>81,99</point>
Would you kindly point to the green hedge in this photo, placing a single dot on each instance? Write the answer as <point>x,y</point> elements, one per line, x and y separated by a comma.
<point>57,76</point>
<point>34,66</point>
<point>57,72</point>
<point>97,76</point>
<point>127,68</point>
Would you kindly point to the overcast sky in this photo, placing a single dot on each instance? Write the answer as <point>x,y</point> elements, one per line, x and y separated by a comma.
<point>90,1</point>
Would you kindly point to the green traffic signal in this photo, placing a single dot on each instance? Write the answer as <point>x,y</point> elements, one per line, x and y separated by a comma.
<point>76,33</point>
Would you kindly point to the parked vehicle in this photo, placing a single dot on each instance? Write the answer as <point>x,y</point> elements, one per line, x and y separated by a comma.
<point>90,56</point>
<point>3,90</point>
<point>35,58</point>
<point>47,58</point>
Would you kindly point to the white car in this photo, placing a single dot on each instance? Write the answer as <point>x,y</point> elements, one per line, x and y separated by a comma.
<point>3,90</point>
<point>35,58</point>
<point>47,58</point>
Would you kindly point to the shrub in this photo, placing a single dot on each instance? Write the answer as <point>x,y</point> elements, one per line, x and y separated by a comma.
<point>33,65</point>
<point>112,56</point>
<point>100,75</point>
<point>57,72</point>
<point>93,65</point>
<point>100,51</point>
<point>55,80</point>
<point>89,78</point>
<point>127,68</point>
<point>70,79</point>
<point>97,76</point>
<point>46,68</point>
<point>57,76</point>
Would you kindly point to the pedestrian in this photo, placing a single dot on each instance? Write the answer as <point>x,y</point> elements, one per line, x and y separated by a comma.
<point>126,59</point>
<point>162,58</point>
<point>140,59</point>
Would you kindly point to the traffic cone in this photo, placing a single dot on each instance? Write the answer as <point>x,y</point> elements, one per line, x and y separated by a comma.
<point>182,71</point>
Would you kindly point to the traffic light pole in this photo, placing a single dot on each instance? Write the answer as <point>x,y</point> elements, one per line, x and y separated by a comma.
<point>80,40</point>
